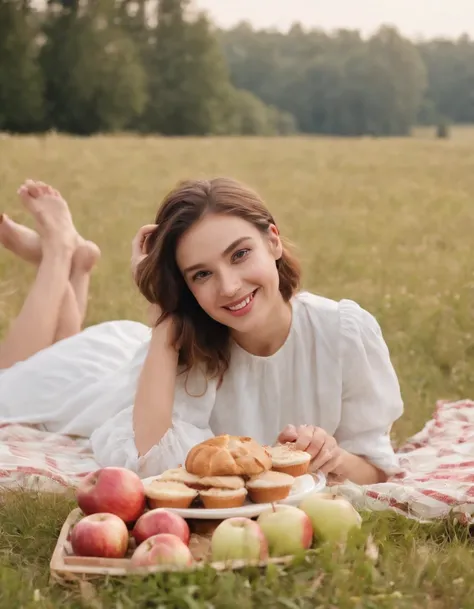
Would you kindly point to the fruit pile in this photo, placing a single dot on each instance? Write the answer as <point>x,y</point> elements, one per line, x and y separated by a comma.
<point>284,530</point>
<point>119,523</point>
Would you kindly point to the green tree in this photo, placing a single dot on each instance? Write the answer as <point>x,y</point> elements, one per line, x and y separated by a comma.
<point>188,76</point>
<point>397,81</point>
<point>94,77</point>
<point>246,114</point>
<point>450,92</point>
<point>335,84</point>
<point>21,86</point>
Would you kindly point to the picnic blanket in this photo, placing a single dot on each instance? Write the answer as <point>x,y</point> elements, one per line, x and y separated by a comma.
<point>42,461</point>
<point>438,478</point>
<point>438,463</point>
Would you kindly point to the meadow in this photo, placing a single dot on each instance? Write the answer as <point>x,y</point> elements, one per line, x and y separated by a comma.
<point>387,223</point>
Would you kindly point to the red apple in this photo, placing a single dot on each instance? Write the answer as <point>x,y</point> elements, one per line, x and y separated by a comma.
<point>238,538</point>
<point>115,490</point>
<point>160,520</point>
<point>103,535</point>
<point>288,529</point>
<point>162,549</point>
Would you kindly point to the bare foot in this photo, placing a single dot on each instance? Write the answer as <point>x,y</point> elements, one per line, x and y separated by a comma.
<point>26,243</point>
<point>51,213</point>
<point>19,239</point>
<point>86,256</point>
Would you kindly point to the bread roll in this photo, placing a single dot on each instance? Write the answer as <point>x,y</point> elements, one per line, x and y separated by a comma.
<point>228,455</point>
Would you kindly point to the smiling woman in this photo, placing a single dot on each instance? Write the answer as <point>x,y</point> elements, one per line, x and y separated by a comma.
<point>217,264</point>
<point>235,347</point>
<point>234,277</point>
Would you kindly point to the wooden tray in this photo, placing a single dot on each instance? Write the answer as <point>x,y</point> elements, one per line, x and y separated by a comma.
<point>64,565</point>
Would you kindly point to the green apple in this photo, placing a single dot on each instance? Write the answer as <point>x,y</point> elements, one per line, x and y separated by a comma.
<point>238,538</point>
<point>332,517</point>
<point>288,530</point>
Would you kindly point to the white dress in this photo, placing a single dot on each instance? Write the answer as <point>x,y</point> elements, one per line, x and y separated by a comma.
<point>333,371</point>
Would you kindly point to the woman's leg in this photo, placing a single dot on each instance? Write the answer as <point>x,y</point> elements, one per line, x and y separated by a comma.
<point>26,243</point>
<point>36,325</point>
<point>20,240</point>
<point>74,306</point>
<point>85,257</point>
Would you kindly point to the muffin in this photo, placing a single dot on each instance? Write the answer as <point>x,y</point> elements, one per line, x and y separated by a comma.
<point>168,494</point>
<point>288,460</point>
<point>218,498</point>
<point>269,487</point>
<point>223,482</point>
<point>179,474</point>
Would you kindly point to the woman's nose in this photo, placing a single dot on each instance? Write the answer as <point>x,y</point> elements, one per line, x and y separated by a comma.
<point>229,285</point>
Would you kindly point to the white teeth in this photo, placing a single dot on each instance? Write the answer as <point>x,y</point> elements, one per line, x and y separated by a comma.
<point>242,304</point>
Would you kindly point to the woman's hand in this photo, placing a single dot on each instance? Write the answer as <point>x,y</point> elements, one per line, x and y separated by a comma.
<point>326,456</point>
<point>139,252</point>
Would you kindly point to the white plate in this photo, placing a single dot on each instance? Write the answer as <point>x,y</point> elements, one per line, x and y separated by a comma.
<point>302,486</point>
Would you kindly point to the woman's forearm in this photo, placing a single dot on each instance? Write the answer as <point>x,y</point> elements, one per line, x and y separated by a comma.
<point>153,408</point>
<point>358,470</point>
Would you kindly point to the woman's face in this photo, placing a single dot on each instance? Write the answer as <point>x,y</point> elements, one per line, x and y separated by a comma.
<point>230,267</point>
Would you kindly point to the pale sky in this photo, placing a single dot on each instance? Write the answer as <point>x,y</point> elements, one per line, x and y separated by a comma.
<point>414,18</point>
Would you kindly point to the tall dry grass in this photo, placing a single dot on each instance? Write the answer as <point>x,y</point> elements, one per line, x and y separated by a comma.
<point>388,223</point>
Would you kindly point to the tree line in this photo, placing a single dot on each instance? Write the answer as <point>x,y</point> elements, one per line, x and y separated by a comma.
<point>160,66</point>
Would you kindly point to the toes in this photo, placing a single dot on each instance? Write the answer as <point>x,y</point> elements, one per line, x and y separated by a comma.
<point>36,188</point>
<point>45,189</point>
<point>32,188</point>
<point>23,191</point>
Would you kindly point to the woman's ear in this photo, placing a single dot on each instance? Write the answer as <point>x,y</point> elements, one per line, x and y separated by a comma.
<point>276,246</point>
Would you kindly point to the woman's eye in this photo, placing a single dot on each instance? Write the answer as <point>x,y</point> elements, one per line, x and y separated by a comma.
<point>240,254</point>
<point>200,275</point>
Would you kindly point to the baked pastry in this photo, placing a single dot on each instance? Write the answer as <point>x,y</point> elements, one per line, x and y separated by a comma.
<point>219,498</point>
<point>269,486</point>
<point>228,455</point>
<point>286,459</point>
<point>179,474</point>
<point>224,482</point>
<point>164,493</point>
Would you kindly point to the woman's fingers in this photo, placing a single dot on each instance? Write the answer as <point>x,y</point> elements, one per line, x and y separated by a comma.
<point>310,439</point>
<point>143,231</point>
<point>323,448</point>
<point>328,451</point>
<point>287,435</point>
<point>140,238</point>
<point>304,436</point>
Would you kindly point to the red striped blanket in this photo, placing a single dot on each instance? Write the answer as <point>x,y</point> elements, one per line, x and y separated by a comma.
<point>438,463</point>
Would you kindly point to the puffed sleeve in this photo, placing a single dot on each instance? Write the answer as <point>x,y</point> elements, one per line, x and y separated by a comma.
<point>371,399</point>
<point>113,443</point>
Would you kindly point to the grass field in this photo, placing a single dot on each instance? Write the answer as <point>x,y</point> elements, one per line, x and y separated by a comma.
<point>388,223</point>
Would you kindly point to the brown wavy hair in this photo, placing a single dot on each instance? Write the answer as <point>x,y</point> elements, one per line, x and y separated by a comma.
<point>201,339</point>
